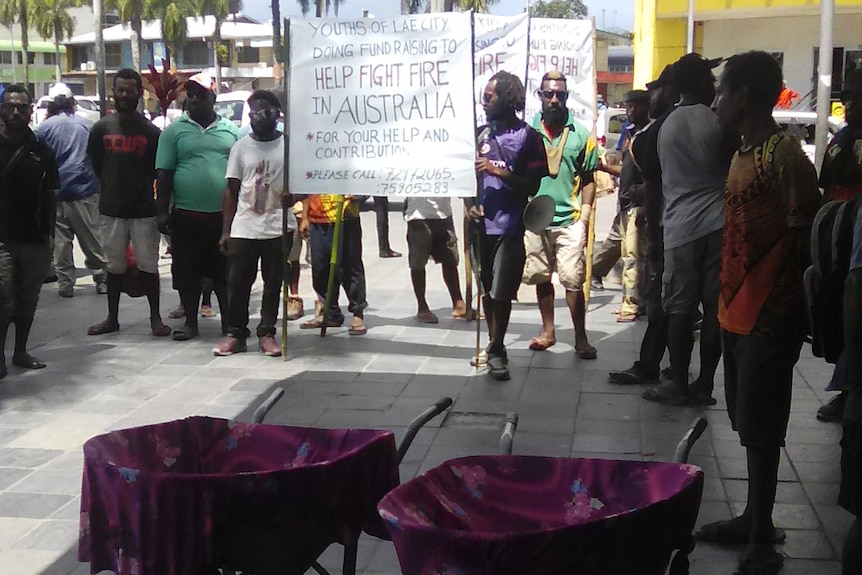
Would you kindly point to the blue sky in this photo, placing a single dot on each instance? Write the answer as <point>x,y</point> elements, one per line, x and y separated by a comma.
<point>608,13</point>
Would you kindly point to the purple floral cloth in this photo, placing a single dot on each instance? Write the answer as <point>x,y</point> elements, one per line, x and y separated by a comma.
<point>177,497</point>
<point>501,515</point>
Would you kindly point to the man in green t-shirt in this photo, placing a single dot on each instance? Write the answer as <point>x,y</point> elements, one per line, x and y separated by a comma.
<point>192,163</point>
<point>572,159</point>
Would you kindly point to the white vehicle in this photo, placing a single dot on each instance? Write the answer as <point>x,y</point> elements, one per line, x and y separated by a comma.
<point>88,107</point>
<point>234,107</point>
<point>803,125</point>
<point>609,127</point>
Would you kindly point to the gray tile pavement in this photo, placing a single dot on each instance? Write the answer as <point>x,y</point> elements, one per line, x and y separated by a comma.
<point>96,384</point>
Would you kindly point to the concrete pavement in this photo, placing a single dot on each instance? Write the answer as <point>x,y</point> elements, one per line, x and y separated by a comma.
<point>382,380</point>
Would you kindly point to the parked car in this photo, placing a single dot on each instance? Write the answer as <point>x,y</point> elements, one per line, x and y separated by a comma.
<point>88,107</point>
<point>234,107</point>
<point>609,126</point>
<point>803,125</point>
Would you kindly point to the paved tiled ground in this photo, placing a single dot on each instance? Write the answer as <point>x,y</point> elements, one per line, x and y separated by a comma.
<point>382,380</point>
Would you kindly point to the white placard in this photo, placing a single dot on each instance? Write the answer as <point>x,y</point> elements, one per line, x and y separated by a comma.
<point>500,43</point>
<point>567,46</point>
<point>382,106</point>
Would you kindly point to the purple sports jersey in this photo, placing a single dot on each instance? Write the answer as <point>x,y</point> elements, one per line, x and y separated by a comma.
<point>518,149</point>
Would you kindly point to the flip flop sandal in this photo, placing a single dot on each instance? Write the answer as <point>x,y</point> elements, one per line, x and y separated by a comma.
<point>102,328</point>
<point>317,324</point>
<point>626,317</point>
<point>184,334</point>
<point>766,564</point>
<point>357,330</point>
<point>427,317</point>
<point>718,532</point>
<point>177,313</point>
<point>587,353</point>
<point>207,311</point>
<point>657,395</point>
<point>537,345</point>
<point>161,330</point>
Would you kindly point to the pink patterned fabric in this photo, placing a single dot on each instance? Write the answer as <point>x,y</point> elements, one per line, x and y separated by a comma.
<point>177,497</point>
<point>500,515</point>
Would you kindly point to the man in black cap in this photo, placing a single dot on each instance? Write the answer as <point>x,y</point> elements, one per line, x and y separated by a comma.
<point>644,150</point>
<point>695,155</point>
<point>630,196</point>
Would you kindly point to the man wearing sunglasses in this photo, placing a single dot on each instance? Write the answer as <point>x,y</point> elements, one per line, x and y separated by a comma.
<point>28,182</point>
<point>572,160</point>
<point>192,161</point>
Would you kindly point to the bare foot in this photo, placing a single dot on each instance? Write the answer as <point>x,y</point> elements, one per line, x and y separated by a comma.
<point>459,310</point>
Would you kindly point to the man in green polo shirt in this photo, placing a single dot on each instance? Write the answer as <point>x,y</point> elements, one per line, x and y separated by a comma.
<point>572,159</point>
<point>192,163</point>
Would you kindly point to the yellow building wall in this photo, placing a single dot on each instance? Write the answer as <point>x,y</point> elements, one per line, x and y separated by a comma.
<point>661,26</point>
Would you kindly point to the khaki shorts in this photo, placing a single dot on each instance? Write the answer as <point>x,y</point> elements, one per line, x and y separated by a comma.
<point>143,233</point>
<point>558,250</point>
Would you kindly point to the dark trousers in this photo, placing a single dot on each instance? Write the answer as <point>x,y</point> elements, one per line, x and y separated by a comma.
<point>381,206</point>
<point>243,258</point>
<point>195,251</point>
<point>349,271</point>
<point>655,338</point>
<point>23,269</point>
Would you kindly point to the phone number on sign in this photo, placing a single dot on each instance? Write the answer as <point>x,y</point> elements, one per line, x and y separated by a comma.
<point>414,189</point>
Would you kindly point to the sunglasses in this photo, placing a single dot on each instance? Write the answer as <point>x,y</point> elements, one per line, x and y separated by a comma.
<point>265,113</point>
<point>549,94</point>
<point>12,107</point>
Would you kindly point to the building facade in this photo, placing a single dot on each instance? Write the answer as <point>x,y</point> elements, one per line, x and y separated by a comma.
<point>790,29</point>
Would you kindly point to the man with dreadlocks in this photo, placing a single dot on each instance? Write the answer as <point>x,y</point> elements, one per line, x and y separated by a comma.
<point>510,165</point>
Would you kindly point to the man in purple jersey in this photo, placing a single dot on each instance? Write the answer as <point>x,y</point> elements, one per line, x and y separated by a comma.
<point>510,164</point>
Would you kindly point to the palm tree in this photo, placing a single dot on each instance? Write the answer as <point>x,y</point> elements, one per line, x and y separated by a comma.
<point>52,20</point>
<point>18,11</point>
<point>220,10</point>
<point>173,15</point>
<point>131,12</point>
<point>321,7</point>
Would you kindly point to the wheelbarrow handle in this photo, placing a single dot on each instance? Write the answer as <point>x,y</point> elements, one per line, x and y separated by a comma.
<point>694,432</point>
<point>439,407</point>
<point>264,407</point>
<point>508,433</point>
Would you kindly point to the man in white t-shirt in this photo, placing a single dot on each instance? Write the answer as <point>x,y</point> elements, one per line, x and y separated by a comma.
<point>253,226</point>
<point>431,233</point>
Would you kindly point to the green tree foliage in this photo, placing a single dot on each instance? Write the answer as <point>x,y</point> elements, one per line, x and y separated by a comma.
<point>131,12</point>
<point>51,19</point>
<point>173,14</point>
<point>18,12</point>
<point>569,9</point>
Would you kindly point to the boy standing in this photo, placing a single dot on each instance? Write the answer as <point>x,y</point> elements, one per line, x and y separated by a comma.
<point>253,226</point>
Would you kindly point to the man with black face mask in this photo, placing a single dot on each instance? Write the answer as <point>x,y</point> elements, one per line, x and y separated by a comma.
<point>252,229</point>
<point>28,181</point>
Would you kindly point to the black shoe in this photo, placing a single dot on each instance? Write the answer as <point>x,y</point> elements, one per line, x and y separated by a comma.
<point>27,361</point>
<point>834,408</point>
<point>498,368</point>
<point>389,254</point>
<point>596,284</point>
<point>50,279</point>
<point>631,376</point>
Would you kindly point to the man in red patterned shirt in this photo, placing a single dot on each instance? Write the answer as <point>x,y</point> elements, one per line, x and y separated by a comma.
<point>770,203</point>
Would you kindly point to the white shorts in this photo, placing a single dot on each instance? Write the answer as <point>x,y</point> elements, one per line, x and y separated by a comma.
<point>143,233</point>
<point>558,250</point>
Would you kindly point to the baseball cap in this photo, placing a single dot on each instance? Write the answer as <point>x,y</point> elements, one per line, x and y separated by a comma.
<point>664,79</point>
<point>636,96</point>
<point>689,70</point>
<point>205,81</point>
<point>59,89</point>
